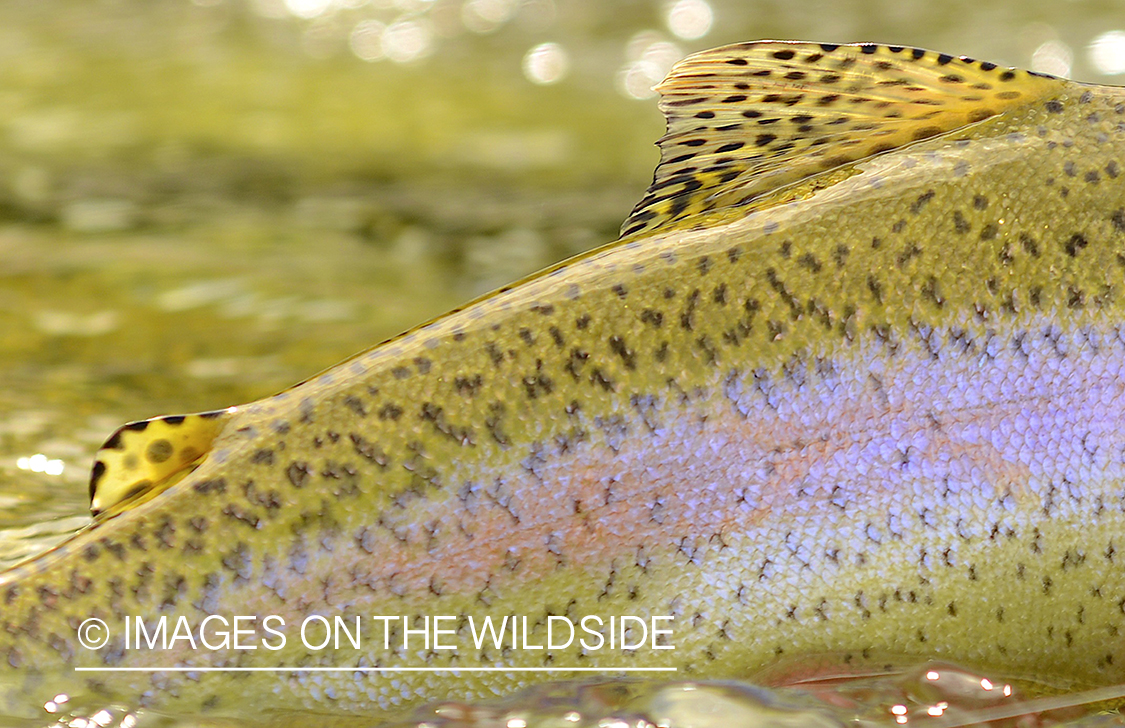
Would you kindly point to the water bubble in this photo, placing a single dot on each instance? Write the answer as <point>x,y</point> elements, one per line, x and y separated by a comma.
<point>546,63</point>
<point>1107,52</point>
<point>690,19</point>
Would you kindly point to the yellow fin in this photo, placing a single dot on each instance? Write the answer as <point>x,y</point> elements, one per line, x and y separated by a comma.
<point>143,458</point>
<point>747,119</point>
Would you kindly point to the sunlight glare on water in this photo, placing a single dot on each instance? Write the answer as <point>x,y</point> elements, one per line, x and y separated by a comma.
<point>366,40</point>
<point>1107,52</point>
<point>40,463</point>
<point>690,19</point>
<point>649,57</point>
<point>1053,57</point>
<point>546,63</point>
<point>408,40</point>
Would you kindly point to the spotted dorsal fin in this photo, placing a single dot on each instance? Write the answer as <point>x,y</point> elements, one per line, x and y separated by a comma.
<point>747,119</point>
<point>144,458</point>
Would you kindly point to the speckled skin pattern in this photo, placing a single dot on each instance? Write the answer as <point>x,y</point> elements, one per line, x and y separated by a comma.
<point>883,414</point>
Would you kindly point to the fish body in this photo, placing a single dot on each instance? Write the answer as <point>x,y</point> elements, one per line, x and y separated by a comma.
<point>851,381</point>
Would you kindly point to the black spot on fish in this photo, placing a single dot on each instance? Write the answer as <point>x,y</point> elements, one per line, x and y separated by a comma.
<point>960,224</point>
<point>390,412</point>
<point>810,262</point>
<point>1053,106</point>
<point>215,485</point>
<point>96,475</point>
<point>599,377</point>
<point>140,426</point>
<point>784,55</point>
<point>298,473</point>
<point>868,48</point>
<point>687,320</point>
<point>918,204</point>
<point>761,140</point>
<point>158,451</point>
<point>1076,242</point>
<point>618,346</point>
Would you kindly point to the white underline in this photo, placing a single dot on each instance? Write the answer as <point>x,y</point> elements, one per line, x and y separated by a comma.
<point>376,669</point>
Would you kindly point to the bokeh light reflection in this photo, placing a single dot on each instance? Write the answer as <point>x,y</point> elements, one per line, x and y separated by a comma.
<point>408,40</point>
<point>1107,52</point>
<point>546,63</point>
<point>366,40</point>
<point>690,19</point>
<point>485,16</point>
<point>40,463</point>
<point>649,58</point>
<point>1053,57</point>
<point>307,8</point>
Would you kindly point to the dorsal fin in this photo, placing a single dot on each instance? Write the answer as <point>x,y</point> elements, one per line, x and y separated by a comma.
<point>747,119</point>
<point>144,458</point>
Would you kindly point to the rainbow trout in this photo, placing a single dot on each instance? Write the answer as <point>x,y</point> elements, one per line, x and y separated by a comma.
<point>850,381</point>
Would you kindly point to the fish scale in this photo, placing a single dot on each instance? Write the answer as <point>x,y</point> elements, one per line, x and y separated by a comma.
<point>866,401</point>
